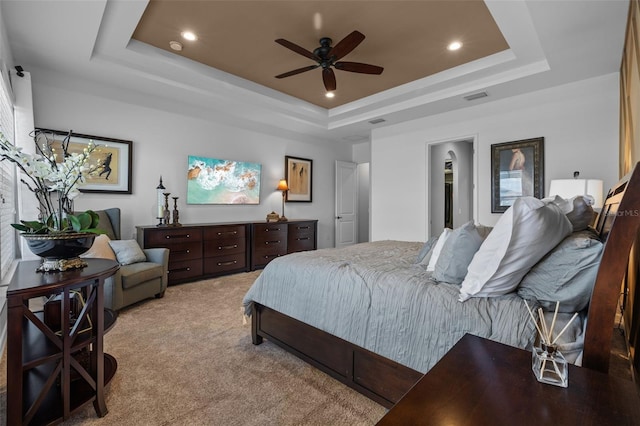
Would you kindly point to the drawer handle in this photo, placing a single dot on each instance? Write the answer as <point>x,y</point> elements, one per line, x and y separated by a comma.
<point>271,242</point>
<point>268,256</point>
<point>271,229</point>
<point>228,232</point>
<point>181,269</point>
<point>168,237</point>
<point>227,247</point>
<point>303,227</point>
<point>303,238</point>
<point>187,251</point>
<point>232,262</point>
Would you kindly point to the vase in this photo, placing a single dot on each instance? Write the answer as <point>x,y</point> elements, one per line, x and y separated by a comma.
<point>550,366</point>
<point>60,252</point>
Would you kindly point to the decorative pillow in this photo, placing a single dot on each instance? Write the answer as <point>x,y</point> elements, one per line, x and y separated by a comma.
<point>435,252</point>
<point>456,254</point>
<point>566,274</point>
<point>527,231</point>
<point>100,249</point>
<point>127,251</point>
<point>426,248</point>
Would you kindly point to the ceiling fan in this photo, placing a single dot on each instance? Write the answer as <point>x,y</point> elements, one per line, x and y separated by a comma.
<point>327,56</point>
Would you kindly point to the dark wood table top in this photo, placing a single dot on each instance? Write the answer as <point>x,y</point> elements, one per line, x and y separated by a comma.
<point>482,382</point>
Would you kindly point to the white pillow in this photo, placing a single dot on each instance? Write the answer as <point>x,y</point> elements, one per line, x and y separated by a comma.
<point>437,249</point>
<point>100,249</point>
<point>526,232</point>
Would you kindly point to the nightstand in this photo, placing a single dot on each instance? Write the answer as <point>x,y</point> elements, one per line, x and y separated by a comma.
<point>482,382</point>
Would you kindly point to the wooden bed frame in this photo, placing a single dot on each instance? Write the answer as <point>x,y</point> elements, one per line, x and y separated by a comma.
<point>386,381</point>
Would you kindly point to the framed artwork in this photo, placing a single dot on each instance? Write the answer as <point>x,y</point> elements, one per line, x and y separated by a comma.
<point>517,169</point>
<point>111,162</point>
<point>298,173</point>
<point>216,181</point>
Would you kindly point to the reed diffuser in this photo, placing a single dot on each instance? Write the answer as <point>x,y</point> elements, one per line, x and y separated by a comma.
<point>548,363</point>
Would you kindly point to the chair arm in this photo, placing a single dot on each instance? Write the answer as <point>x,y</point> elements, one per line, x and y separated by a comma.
<point>158,255</point>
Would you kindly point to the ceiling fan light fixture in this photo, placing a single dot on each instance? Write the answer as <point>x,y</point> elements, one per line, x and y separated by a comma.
<point>330,94</point>
<point>188,35</point>
<point>454,45</point>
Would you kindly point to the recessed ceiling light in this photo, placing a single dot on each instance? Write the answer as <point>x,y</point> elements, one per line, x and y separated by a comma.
<point>454,45</point>
<point>175,45</point>
<point>188,35</point>
<point>330,94</point>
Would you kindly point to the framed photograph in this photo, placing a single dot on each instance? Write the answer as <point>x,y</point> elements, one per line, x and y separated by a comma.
<point>517,170</point>
<point>217,181</point>
<point>298,173</point>
<point>111,162</point>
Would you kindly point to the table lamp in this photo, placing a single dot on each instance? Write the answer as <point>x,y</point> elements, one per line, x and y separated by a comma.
<point>282,186</point>
<point>568,188</point>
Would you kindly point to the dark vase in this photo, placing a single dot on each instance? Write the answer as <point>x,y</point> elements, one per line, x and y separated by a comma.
<point>60,251</point>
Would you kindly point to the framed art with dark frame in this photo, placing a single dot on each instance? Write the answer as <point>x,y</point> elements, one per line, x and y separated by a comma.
<point>298,172</point>
<point>111,161</point>
<point>517,169</point>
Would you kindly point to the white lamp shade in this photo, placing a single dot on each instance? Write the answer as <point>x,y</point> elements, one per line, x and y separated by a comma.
<point>568,188</point>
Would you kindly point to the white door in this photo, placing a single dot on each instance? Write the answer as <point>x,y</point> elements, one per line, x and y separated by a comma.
<point>346,202</point>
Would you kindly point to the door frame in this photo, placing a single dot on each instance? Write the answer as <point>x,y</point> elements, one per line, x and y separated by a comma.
<point>473,138</point>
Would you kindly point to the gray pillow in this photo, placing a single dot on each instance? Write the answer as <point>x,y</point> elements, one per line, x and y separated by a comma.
<point>566,274</point>
<point>426,249</point>
<point>457,253</point>
<point>127,251</point>
<point>582,214</point>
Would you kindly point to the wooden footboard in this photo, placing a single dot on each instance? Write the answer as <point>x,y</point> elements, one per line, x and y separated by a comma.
<point>376,377</point>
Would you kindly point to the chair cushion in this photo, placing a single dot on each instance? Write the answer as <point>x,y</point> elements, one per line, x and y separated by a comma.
<point>138,273</point>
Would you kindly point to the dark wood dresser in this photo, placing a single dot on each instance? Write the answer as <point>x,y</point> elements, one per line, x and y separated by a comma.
<point>202,250</point>
<point>211,249</point>
<point>273,239</point>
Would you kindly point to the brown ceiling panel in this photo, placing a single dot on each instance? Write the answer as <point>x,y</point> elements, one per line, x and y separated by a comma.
<point>407,38</point>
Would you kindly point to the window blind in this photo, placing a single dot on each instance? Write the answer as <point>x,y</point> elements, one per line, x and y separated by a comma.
<point>7,184</point>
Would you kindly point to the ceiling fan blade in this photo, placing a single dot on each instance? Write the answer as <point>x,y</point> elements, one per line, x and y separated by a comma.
<point>358,67</point>
<point>346,45</point>
<point>298,71</point>
<point>300,50</point>
<point>329,79</point>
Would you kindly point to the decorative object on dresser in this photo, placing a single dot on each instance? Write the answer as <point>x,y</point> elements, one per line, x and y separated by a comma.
<point>271,240</point>
<point>176,213</point>
<point>47,378</point>
<point>298,172</point>
<point>282,186</point>
<point>273,217</point>
<point>160,189</point>
<point>517,169</point>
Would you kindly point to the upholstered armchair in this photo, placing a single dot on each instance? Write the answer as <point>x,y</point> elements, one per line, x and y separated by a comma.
<point>143,277</point>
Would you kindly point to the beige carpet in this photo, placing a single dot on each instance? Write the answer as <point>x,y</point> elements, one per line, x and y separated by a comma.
<point>187,359</point>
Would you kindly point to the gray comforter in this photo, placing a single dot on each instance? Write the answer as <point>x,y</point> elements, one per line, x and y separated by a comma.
<point>373,295</point>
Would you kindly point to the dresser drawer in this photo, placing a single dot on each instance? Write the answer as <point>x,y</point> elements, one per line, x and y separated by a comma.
<point>266,231</point>
<point>184,270</point>
<point>224,247</point>
<point>226,232</point>
<point>185,251</point>
<point>262,257</point>
<point>226,263</point>
<point>165,237</point>
<point>300,243</point>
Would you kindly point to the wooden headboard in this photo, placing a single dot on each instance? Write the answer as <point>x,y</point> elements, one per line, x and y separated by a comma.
<point>617,224</point>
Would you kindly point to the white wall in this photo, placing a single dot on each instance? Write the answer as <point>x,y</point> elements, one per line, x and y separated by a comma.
<point>579,122</point>
<point>161,143</point>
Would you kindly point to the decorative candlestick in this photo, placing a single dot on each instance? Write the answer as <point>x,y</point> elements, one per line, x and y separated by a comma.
<point>176,214</point>
<point>159,191</point>
<point>167,212</point>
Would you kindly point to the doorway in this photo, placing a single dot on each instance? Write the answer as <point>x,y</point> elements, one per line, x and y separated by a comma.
<point>451,184</point>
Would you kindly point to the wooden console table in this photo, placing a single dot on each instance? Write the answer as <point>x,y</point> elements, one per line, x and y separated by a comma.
<point>481,382</point>
<point>47,379</point>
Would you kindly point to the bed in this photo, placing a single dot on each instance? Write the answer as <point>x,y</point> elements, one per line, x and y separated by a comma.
<point>374,318</point>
